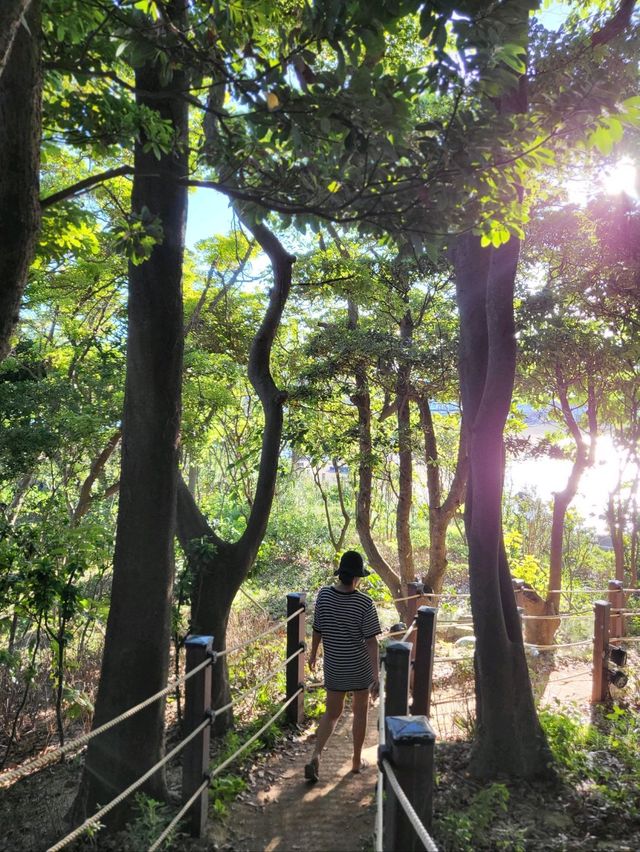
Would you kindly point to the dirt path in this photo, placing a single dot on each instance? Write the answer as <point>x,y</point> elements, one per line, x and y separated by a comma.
<point>283,812</point>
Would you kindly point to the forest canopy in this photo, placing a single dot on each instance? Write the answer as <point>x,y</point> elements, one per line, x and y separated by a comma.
<point>428,285</point>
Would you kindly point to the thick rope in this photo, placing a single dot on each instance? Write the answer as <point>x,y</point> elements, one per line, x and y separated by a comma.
<point>407,807</point>
<point>52,756</point>
<point>130,789</point>
<point>257,685</point>
<point>561,645</point>
<point>452,659</point>
<point>561,616</point>
<point>379,826</point>
<point>217,771</point>
<point>179,816</point>
<point>229,760</point>
<point>272,629</point>
<point>570,677</point>
<point>409,631</point>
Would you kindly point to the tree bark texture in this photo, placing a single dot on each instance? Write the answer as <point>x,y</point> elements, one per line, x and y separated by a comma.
<point>508,739</point>
<point>136,655</point>
<point>20,133</point>
<point>219,566</point>
<point>12,18</point>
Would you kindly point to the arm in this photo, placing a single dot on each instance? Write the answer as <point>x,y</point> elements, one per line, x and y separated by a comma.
<point>372,650</point>
<point>315,642</point>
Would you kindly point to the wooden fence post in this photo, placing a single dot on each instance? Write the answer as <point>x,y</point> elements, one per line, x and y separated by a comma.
<point>295,667</point>
<point>600,687</point>
<point>409,749</point>
<point>197,705</point>
<point>616,599</point>
<point>397,663</point>
<point>413,589</point>
<point>423,666</point>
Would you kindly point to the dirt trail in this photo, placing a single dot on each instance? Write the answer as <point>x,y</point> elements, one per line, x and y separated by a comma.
<point>285,813</point>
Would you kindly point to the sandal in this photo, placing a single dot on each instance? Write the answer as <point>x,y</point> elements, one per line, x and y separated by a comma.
<point>311,770</point>
<point>364,764</point>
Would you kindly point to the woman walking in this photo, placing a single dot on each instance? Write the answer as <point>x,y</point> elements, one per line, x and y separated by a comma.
<point>346,622</point>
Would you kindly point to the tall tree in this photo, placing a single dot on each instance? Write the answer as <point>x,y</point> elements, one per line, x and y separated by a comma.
<point>508,736</point>
<point>20,133</point>
<point>136,654</point>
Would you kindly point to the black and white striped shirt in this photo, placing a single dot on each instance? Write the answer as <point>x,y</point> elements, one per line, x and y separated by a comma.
<point>345,620</point>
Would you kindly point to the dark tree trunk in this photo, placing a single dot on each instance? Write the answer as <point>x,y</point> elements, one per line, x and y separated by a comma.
<point>12,14</point>
<point>585,457</point>
<point>615,522</point>
<point>633,547</point>
<point>20,132</point>
<point>362,400</point>
<point>508,739</point>
<point>220,567</point>
<point>405,457</point>
<point>440,512</point>
<point>136,654</point>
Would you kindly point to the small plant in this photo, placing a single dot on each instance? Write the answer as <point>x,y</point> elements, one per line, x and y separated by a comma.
<point>314,705</point>
<point>224,789</point>
<point>150,820</point>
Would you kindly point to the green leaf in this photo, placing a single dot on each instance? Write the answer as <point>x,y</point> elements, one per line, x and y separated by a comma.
<point>602,139</point>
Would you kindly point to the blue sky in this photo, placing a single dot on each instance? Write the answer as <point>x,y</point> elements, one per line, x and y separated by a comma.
<point>209,214</point>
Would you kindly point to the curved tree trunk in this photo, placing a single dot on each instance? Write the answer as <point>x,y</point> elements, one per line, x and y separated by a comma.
<point>405,458</point>
<point>585,456</point>
<point>508,738</point>
<point>362,400</point>
<point>20,133</point>
<point>440,513</point>
<point>220,567</point>
<point>136,655</point>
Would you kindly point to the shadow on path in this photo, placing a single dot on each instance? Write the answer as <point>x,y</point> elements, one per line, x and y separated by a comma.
<point>284,812</point>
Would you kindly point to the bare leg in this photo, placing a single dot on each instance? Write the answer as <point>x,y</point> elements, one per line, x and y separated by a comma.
<point>335,703</point>
<point>360,710</point>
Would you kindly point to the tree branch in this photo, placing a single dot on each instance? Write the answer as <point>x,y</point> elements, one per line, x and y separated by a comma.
<point>84,185</point>
<point>97,466</point>
<point>616,25</point>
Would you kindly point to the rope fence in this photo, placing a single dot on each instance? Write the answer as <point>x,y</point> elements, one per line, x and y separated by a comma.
<point>465,595</point>
<point>50,757</point>
<point>207,782</point>
<point>267,632</point>
<point>183,810</point>
<point>573,676</point>
<point>258,685</point>
<point>581,643</point>
<point>418,827</point>
<point>92,820</point>
<point>210,715</point>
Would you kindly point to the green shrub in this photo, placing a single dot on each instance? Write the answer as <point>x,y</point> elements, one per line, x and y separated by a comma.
<point>601,760</point>
<point>467,830</point>
<point>149,821</point>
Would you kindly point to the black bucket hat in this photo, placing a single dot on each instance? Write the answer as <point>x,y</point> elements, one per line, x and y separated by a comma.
<point>351,562</point>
